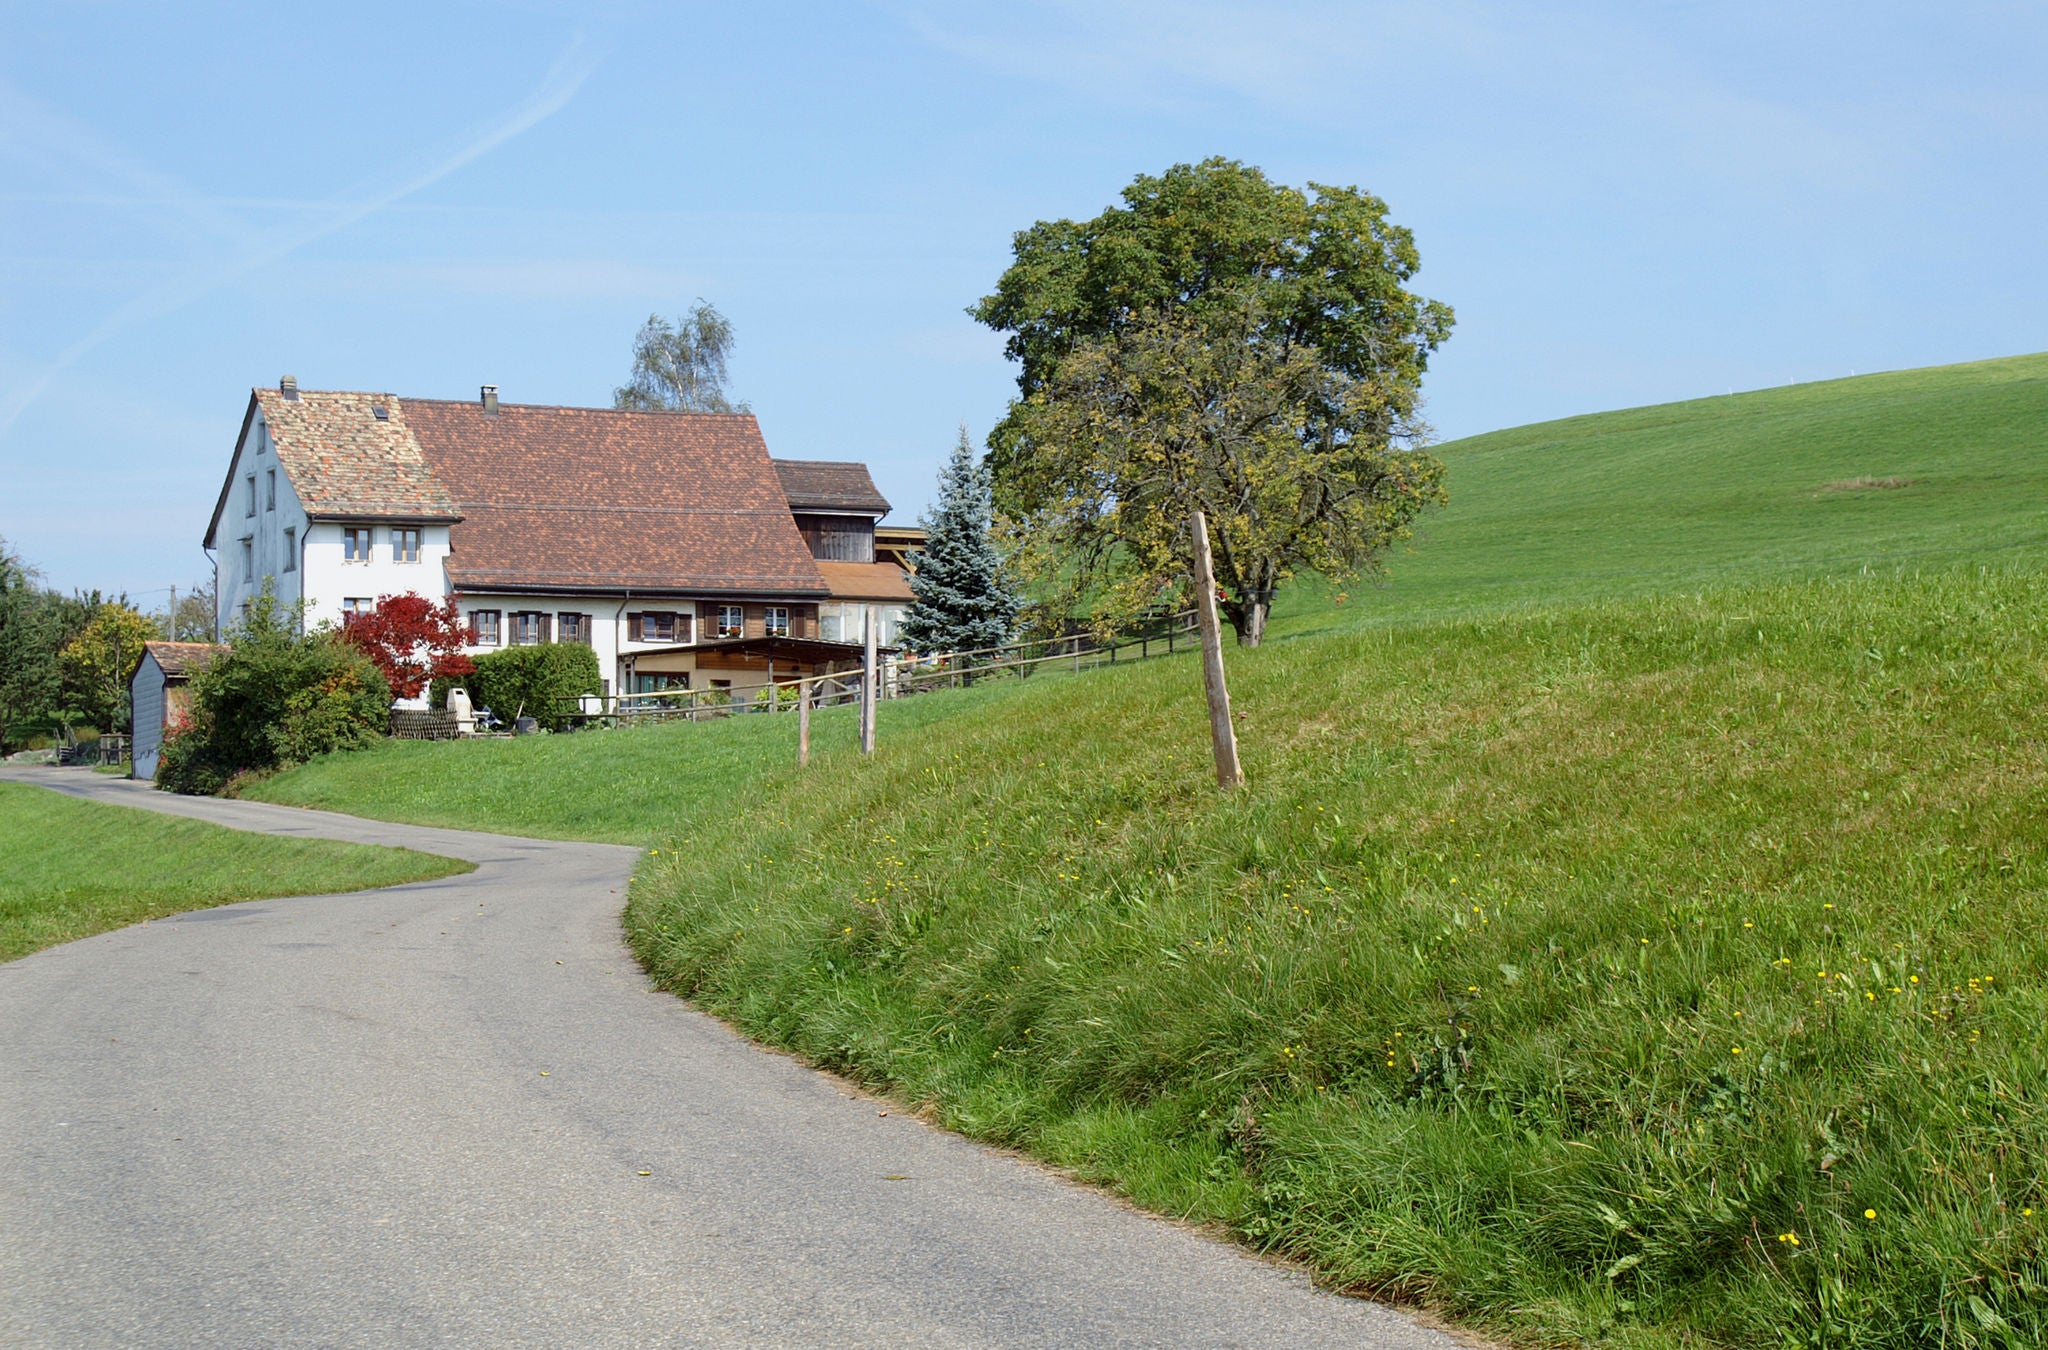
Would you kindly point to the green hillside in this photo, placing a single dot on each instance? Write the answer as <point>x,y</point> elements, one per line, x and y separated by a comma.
<point>1664,969</point>
<point>1916,467</point>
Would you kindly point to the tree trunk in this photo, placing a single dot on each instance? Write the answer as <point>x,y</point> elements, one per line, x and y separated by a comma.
<point>1251,627</point>
<point>1222,735</point>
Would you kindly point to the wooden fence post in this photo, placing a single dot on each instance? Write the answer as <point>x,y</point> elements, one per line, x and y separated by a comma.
<point>803,724</point>
<point>1229,774</point>
<point>868,674</point>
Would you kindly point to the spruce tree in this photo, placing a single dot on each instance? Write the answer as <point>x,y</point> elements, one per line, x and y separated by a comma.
<point>963,600</point>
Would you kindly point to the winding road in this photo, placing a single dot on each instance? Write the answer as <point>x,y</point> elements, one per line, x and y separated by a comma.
<point>454,1113</point>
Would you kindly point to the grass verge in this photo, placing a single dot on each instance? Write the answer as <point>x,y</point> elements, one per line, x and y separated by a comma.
<point>1660,972</point>
<point>70,869</point>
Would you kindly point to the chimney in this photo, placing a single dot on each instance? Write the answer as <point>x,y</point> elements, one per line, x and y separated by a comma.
<point>490,398</point>
<point>289,387</point>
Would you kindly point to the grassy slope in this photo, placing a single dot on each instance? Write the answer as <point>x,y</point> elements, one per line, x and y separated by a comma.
<point>1552,969</point>
<point>1544,837</point>
<point>1719,489</point>
<point>69,869</point>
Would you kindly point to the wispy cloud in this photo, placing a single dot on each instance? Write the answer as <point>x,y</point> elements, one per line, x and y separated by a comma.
<point>44,133</point>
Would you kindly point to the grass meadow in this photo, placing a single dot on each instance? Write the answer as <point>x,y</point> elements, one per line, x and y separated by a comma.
<point>70,869</point>
<point>1631,934</point>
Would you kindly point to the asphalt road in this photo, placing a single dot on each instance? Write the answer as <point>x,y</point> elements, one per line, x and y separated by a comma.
<point>421,1115</point>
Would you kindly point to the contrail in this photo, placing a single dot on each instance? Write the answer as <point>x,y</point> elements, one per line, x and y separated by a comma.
<point>553,93</point>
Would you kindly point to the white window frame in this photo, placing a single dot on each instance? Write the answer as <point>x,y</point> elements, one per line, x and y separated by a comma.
<point>481,638</point>
<point>775,621</point>
<point>738,626</point>
<point>539,619</point>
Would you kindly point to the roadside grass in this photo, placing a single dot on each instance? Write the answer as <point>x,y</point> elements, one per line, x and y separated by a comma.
<point>70,869</point>
<point>1656,972</point>
<point>1914,467</point>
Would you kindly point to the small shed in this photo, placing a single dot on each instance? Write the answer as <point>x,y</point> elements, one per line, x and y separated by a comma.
<point>158,694</point>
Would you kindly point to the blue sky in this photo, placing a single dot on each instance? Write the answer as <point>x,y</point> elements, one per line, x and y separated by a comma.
<point>1625,203</point>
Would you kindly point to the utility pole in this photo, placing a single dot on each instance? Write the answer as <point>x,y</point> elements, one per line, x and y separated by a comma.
<point>869,671</point>
<point>1229,774</point>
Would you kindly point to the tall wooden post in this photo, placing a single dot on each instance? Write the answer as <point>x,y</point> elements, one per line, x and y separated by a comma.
<point>1221,733</point>
<point>869,673</point>
<point>803,724</point>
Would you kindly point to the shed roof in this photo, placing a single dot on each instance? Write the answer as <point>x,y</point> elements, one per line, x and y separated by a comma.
<point>830,485</point>
<point>180,659</point>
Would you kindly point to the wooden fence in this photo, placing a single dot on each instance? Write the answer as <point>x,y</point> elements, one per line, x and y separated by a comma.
<point>897,677</point>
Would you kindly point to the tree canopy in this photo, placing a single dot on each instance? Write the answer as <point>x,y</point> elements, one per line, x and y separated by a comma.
<point>964,602</point>
<point>1223,343</point>
<point>680,366</point>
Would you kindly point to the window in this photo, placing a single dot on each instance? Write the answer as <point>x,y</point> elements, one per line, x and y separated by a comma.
<point>291,550</point>
<point>483,627</point>
<point>405,545</point>
<point>248,555</point>
<point>732,621</point>
<point>659,681</point>
<point>355,543</point>
<point>654,627</point>
<point>529,628</point>
<point>270,489</point>
<point>356,606</point>
<point>252,495</point>
<point>572,628</point>
<point>776,621</point>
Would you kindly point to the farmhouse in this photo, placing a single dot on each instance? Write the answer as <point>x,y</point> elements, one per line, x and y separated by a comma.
<point>670,543</point>
<point>158,694</point>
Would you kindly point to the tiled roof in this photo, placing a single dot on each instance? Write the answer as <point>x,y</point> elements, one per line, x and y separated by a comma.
<point>830,485</point>
<point>345,461</point>
<point>867,581</point>
<point>182,658</point>
<point>599,498</point>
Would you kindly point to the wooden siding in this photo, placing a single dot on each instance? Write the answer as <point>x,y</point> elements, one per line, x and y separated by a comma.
<point>838,538</point>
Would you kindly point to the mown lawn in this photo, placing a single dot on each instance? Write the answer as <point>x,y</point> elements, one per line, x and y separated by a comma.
<point>70,869</point>
<point>1915,467</point>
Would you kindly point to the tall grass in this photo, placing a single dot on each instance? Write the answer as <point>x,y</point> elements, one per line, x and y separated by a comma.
<point>1659,972</point>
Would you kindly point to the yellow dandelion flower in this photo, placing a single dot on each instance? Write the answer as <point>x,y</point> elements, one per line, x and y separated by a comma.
<point>1869,1213</point>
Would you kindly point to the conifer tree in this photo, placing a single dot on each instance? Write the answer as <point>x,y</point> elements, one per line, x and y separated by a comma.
<point>963,600</point>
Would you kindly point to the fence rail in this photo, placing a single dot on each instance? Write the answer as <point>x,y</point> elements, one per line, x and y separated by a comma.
<point>896,677</point>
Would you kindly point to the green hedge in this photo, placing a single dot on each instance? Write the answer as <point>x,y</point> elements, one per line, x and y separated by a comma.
<point>542,681</point>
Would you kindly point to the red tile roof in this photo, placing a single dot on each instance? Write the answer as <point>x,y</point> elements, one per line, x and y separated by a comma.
<point>830,485</point>
<point>343,460</point>
<point>606,499</point>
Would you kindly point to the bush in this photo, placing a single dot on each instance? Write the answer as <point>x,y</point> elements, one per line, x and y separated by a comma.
<point>543,682</point>
<point>274,697</point>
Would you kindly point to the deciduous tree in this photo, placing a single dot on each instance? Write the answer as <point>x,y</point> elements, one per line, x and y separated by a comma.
<point>98,663</point>
<point>680,367</point>
<point>30,635</point>
<point>412,640</point>
<point>1223,343</point>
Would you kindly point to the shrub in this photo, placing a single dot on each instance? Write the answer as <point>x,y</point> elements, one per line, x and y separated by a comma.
<point>275,696</point>
<point>543,682</point>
